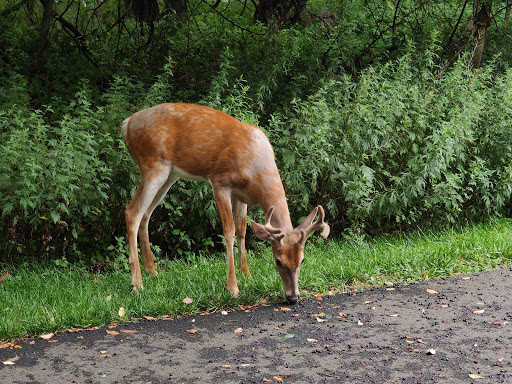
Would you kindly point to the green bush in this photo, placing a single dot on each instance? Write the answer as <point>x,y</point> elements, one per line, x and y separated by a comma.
<point>405,143</point>
<point>56,194</point>
<point>401,144</point>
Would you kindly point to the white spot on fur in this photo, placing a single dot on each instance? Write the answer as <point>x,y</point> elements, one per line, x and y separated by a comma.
<point>124,128</point>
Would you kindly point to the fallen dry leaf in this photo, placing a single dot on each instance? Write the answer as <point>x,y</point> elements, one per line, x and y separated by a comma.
<point>342,315</point>
<point>475,376</point>
<point>150,318</point>
<point>265,380</point>
<point>319,320</point>
<point>121,312</point>
<point>278,378</point>
<point>6,345</point>
<point>312,340</point>
<point>129,331</point>
<point>432,292</point>
<point>192,331</point>
<point>48,336</point>
<point>11,360</point>
<point>318,314</point>
<point>285,309</point>
<point>53,341</point>
<point>188,300</point>
<point>32,342</point>
<point>4,275</point>
<point>238,330</point>
<point>112,332</point>
<point>393,315</point>
<point>500,360</point>
<point>466,278</point>
<point>114,325</point>
<point>226,365</point>
<point>479,311</point>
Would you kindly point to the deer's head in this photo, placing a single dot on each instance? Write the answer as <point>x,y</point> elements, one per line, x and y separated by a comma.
<point>288,247</point>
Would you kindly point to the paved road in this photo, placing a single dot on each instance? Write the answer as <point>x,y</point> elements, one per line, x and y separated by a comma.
<point>456,330</point>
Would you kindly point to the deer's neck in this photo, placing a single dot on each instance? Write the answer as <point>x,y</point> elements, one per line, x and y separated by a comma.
<point>281,216</point>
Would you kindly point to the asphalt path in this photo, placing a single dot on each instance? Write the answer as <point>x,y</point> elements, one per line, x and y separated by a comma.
<point>456,330</point>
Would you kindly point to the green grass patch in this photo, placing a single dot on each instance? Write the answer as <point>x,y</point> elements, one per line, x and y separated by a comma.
<point>36,299</point>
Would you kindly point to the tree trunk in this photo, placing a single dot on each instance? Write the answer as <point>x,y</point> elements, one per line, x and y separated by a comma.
<point>507,13</point>
<point>281,9</point>
<point>144,10</point>
<point>39,59</point>
<point>482,22</point>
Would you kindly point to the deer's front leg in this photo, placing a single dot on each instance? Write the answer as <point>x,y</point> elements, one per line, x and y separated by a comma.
<point>223,200</point>
<point>240,216</point>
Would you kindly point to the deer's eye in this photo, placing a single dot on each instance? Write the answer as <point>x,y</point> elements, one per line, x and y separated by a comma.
<point>301,262</point>
<point>278,263</point>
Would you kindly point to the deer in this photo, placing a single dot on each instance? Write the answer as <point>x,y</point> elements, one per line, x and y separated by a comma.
<point>177,140</point>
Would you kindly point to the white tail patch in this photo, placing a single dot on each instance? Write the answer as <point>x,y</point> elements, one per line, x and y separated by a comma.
<point>124,128</point>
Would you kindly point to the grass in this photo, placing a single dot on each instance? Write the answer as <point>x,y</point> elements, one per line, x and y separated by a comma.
<point>36,299</point>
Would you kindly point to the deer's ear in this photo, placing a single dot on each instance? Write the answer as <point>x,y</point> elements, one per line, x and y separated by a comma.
<point>260,232</point>
<point>308,220</point>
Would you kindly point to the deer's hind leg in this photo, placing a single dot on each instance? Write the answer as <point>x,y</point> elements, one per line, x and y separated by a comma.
<point>147,255</point>
<point>152,184</point>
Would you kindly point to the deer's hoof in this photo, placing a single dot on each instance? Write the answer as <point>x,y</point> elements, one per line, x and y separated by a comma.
<point>234,291</point>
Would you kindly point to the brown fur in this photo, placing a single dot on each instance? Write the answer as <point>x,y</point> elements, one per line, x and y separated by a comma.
<point>170,141</point>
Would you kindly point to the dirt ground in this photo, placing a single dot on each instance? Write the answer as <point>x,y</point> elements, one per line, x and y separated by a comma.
<point>456,330</point>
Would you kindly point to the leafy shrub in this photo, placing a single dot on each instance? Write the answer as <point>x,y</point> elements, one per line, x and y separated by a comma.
<point>55,184</point>
<point>406,143</point>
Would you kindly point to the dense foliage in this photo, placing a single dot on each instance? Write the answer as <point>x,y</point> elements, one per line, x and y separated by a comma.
<point>377,110</point>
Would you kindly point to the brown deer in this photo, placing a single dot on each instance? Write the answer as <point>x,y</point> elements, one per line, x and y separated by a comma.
<point>170,141</point>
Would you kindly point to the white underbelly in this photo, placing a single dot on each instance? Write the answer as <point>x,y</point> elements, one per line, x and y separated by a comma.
<point>187,176</point>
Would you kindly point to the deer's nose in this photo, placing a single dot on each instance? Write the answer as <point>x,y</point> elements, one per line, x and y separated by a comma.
<point>292,299</point>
